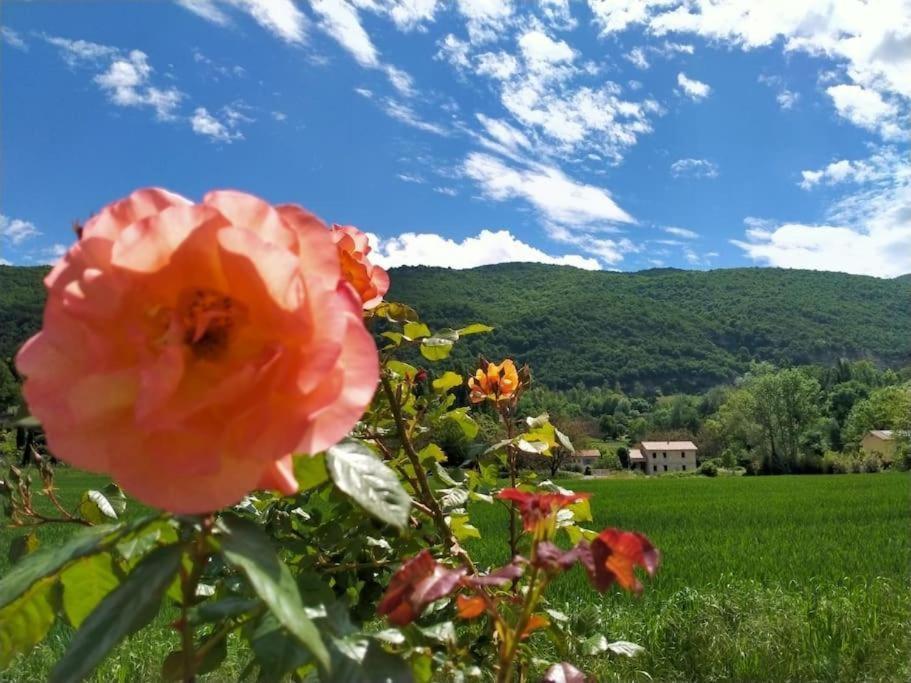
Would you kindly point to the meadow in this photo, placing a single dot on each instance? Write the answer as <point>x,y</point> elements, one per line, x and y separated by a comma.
<point>763,578</point>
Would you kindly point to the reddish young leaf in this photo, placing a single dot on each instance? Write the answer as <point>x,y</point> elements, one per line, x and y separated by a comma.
<point>470,607</point>
<point>420,581</point>
<point>554,559</point>
<point>535,508</point>
<point>501,576</point>
<point>534,623</point>
<point>613,557</point>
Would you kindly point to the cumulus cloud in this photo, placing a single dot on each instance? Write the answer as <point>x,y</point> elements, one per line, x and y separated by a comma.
<point>694,168</point>
<point>217,130</point>
<point>865,108</point>
<point>882,166</point>
<point>866,232</point>
<point>485,20</point>
<point>556,197</point>
<point>692,88</point>
<point>15,231</point>
<point>127,84</point>
<point>637,58</point>
<point>486,248</point>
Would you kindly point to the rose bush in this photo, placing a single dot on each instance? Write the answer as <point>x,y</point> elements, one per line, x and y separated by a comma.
<point>217,354</point>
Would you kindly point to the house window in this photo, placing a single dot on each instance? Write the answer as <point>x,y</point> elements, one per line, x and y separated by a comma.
<point>664,454</point>
<point>654,468</point>
<point>684,468</point>
<point>654,455</point>
<point>682,454</point>
<point>665,468</point>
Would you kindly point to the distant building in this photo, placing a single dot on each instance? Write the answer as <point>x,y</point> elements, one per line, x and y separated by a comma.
<point>881,442</point>
<point>636,460</point>
<point>658,457</point>
<point>585,458</point>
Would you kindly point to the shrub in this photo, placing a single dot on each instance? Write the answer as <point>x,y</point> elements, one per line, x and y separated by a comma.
<point>872,463</point>
<point>708,469</point>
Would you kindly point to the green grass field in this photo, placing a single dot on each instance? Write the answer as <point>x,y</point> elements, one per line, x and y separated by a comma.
<point>763,578</point>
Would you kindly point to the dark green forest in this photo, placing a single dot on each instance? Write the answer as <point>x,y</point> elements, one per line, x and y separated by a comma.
<point>673,330</point>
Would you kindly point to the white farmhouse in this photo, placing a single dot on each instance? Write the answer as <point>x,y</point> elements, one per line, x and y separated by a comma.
<point>656,457</point>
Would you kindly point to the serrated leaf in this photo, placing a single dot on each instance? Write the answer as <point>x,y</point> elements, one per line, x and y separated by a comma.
<point>416,330</point>
<point>95,508</point>
<point>436,348</point>
<point>447,381</point>
<point>85,584</point>
<point>474,328</point>
<point>357,472</point>
<point>464,421</point>
<point>402,369</point>
<point>310,472</point>
<point>462,528</point>
<point>594,645</point>
<point>249,549</point>
<point>25,621</point>
<point>455,497</point>
<point>125,610</point>
<point>533,447</point>
<point>433,453</point>
<point>51,559</point>
<point>277,652</point>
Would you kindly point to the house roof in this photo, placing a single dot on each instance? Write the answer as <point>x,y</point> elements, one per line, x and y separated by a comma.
<point>590,453</point>
<point>669,445</point>
<point>636,454</point>
<point>884,434</point>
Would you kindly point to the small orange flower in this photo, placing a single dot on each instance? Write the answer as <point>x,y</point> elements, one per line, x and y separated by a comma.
<point>498,383</point>
<point>470,607</point>
<point>615,554</point>
<point>370,281</point>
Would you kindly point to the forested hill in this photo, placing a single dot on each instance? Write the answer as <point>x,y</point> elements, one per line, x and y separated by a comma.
<point>674,329</point>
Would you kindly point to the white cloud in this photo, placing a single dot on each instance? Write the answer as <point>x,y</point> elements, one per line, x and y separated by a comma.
<point>126,83</point>
<point>282,18</point>
<point>865,232</point>
<point>207,9</point>
<point>787,99</point>
<point>279,116</point>
<point>540,50</point>
<point>485,248</point>
<point>503,134</point>
<point>216,70</point>
<point>340,20</point>
<point>409,178</point>
<point>637,58</point>
<point>48,256</point>
<point>13,39</point>
<point>557,13</point>
<point>204,123</point>
<point>364,92</point>
<point>694,168</point>
<point>485,19</point>
<point>404,113</point>
<point>76,52</point>
<point>16,231</point>
<point>498,65</point>
<point>869,41</point>
<point>610,251</point>
<point>681,232</point>
<point>865,108</point>
<point>407,15</point>
<point>692,88</point>
<point>455,51</point>
<point>448,191</point>
<point>558,198</point>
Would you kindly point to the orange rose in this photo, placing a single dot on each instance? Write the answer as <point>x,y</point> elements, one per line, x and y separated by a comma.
<point>495,382</point>
<point>370,281</point>
<point>188,349</point>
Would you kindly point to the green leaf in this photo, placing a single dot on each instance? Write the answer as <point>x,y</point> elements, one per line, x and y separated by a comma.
<point>436,348</point>
<point>356,660</point>
<point>361,475</point>
<point>51,559</point>
<point>248,548</point>
<point>85,584</point>
<point>173,667</point>
<point>465,422</point>
<point>277,652</point>
<point>447,381</point>
<point>26,620</point>
<point>625,648</point>
<point>402,369</point>
<point>395,312</point>
<point>416,330</point>
<point>310,472</point>
<point>116,497</point>
<point>95,508</point>
<point>216,610</point>
<point>431,454</point>
<point>462,528</point>
<point>125,610</point>
<point>21,546</point>
<point>474,328</point>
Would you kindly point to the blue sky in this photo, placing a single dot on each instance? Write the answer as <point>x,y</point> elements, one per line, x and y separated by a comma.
<point>621,134</point>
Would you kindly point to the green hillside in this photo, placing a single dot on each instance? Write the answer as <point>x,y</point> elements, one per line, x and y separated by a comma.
<point>678,330</point>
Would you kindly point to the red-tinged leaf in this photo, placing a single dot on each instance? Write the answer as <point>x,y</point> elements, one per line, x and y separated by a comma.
<point>554,559</point>
<point>613,557</point>
<point>470,607</point>
<point>536,508</point>
<point>564,672</point>
<point>501,576</point>
<point>420,581</point>
<point>534,623</point>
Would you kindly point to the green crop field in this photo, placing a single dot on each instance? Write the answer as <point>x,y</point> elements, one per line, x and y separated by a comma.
<point>764,578</point>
